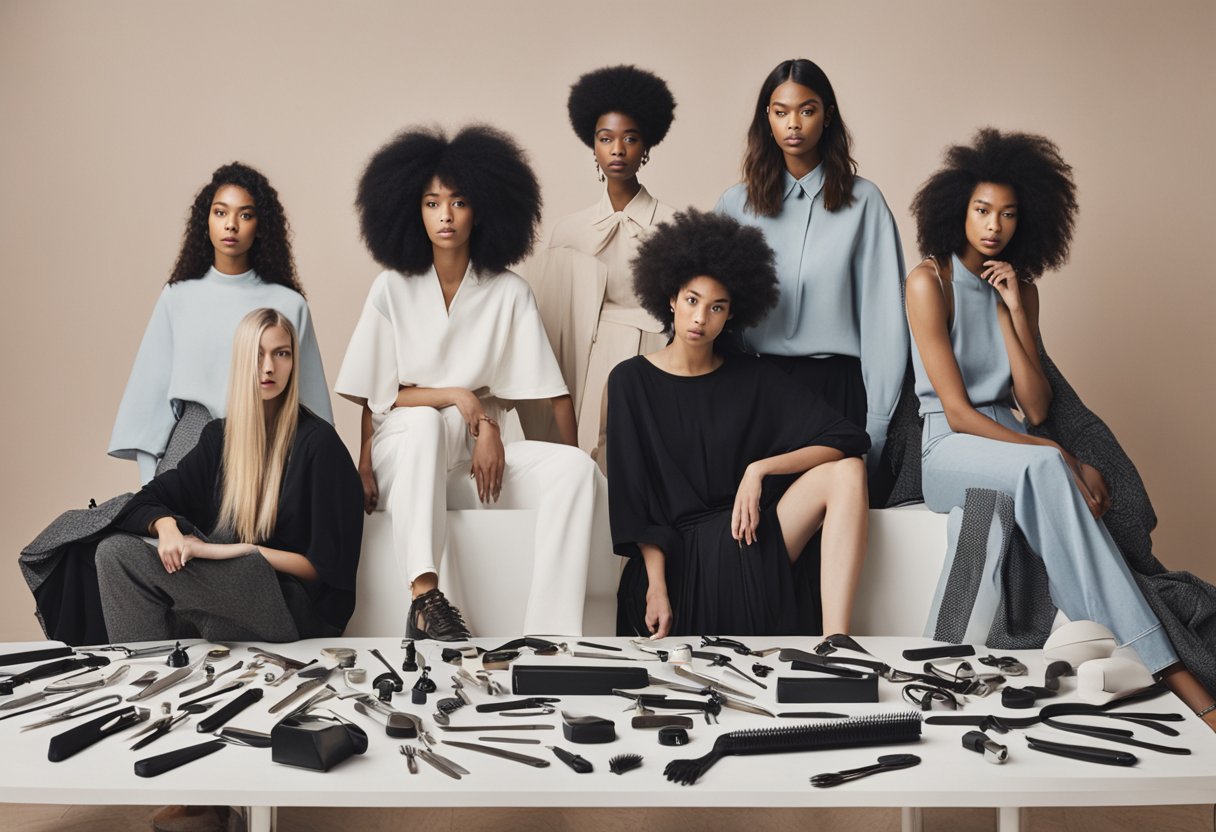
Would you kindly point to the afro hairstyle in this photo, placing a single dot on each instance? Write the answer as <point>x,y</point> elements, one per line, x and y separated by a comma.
<point>695,244</point>
<point>270,256</point>
<point>641,95</point>
<point>1039,176</point>
<point>480,162</point>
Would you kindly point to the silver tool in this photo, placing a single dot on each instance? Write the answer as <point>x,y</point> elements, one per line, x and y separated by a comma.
<point>133,653</point>
<point>709,682</point>
<point>290,666</point>
<point>166,682</point>
<point>394,719</point>
<point>211,679</point>
<point>301,689</point>
<point>311,702</point>
<point>491,728</point>
<point>441,764</point>
<point>514,756</point>
<point>90,707</point>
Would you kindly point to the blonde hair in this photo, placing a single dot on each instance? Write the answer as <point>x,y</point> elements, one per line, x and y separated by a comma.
<point>255,458</point>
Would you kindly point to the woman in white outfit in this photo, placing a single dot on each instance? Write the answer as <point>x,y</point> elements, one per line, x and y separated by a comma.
<point>447,339</point>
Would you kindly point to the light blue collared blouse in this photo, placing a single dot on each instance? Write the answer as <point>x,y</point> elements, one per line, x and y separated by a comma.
<point>840,274</point>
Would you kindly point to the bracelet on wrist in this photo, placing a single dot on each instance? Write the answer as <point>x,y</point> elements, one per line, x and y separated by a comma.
<point>1206,711</point>
<point>488,420</point>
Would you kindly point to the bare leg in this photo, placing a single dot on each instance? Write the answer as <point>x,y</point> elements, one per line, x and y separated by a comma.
<point>831,496</point>
<point>1190,690</point>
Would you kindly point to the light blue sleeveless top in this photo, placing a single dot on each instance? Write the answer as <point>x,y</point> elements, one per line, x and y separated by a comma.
<point>979,346</point>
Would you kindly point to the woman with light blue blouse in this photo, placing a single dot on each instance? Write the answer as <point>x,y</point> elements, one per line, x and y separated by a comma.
<point>235,257</point>
<point>839,324</point>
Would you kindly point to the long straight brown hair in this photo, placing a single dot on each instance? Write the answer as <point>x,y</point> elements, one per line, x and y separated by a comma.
<point>254,457</point>
<point>764,163</point>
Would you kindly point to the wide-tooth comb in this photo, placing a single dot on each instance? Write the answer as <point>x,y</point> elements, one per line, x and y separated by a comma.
<point>877,729</point>
<point>622,763</point>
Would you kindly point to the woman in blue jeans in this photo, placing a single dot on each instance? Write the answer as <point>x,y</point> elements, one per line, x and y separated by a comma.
<point>991,221</point>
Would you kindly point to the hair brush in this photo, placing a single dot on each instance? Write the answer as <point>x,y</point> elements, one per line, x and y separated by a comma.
<point>622,763</point>
<point>877,729</point>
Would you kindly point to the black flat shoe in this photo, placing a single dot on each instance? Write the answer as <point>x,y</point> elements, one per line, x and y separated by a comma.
<point>433,616</point>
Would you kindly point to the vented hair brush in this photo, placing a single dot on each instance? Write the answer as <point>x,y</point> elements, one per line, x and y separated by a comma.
<point>877,729</point>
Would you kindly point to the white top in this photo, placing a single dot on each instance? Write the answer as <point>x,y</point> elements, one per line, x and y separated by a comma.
<point>185,357</point>
<point>613,237</point>
<point>490,341</point>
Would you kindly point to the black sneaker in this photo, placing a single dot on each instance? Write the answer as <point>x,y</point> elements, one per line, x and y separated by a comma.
<point>433,616</point>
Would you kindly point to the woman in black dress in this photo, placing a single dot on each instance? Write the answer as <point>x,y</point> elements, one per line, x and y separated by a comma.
<point>722,467</point>
<point>258,528</point>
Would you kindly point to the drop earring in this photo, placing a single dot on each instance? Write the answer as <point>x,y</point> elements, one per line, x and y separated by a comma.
<point>645,156</point>
<point>599,173</point>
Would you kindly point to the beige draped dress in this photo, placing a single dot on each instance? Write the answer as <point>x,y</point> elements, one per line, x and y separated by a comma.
<point>584,287</point>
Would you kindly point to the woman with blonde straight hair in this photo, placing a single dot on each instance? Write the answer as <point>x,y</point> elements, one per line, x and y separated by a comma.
<point>258,528</point>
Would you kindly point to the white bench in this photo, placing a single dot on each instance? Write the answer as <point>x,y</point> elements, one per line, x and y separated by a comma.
<point>487,569</point>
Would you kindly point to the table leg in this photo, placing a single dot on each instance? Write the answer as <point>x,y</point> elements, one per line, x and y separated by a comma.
<point>1009,819</point>
<point>912,820</point>
<point>261,818</point>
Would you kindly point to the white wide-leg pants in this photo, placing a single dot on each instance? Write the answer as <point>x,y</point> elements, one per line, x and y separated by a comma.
<point>422,457</point>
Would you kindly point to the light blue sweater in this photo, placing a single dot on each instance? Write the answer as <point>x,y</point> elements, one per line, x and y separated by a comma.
<point>185,357</point>
<point>840,276</point>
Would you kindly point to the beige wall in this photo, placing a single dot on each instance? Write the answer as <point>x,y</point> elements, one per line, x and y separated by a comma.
<point>115,113</point>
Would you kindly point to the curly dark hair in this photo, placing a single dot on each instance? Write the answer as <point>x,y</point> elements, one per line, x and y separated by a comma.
<point>763,161</point>
<point>694,244</point>
<point>483,164</point>
<point>1039,176</point>
<point>270,256</point>
<point>641,95</point>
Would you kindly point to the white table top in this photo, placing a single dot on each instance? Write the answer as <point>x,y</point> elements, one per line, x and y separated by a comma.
<point>949,775</point>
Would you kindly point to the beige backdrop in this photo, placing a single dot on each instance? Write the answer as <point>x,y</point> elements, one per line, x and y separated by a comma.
<point>114,114</point>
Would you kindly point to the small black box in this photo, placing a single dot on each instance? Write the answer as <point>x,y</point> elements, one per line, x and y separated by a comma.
<point>827,689</point>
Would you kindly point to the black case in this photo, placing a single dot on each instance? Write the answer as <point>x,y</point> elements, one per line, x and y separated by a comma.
<point>318,744</point>
<point>575,680</point>
<point>827,689</point>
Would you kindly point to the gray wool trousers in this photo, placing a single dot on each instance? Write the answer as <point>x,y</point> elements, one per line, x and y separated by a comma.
<point>219,600</point>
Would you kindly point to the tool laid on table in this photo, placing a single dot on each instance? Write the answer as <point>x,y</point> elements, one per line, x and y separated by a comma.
<point>877,729</point>
<point>45,671</point>
<point>161,763</point>
<point>887,762</point>
<point>980,742</point>
<point>579,764</point>
<point>92,706</point>
<point>216,720</point>
<point>212,678</point>
<point>514,756</point>
<point>724,661</point>
<point>75,740</point>
<point>167,681</point>
<point>157,729</point>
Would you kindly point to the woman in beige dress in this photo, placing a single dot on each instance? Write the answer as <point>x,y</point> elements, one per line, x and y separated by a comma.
<point>585,286</point>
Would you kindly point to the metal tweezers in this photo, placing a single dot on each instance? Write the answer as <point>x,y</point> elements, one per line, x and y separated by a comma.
<point>92,706</point>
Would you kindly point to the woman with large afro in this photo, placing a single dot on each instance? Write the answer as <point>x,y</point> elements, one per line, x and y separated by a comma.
<point>997,215</point>
<point>235,257</point>
<point>839,323</point>
<point>447,339</point>
<point>723,467</point>
<point>585,290</point>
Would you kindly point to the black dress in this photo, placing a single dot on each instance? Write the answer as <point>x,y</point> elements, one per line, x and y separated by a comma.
<point>677,450</point>
<point>320,515</point>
